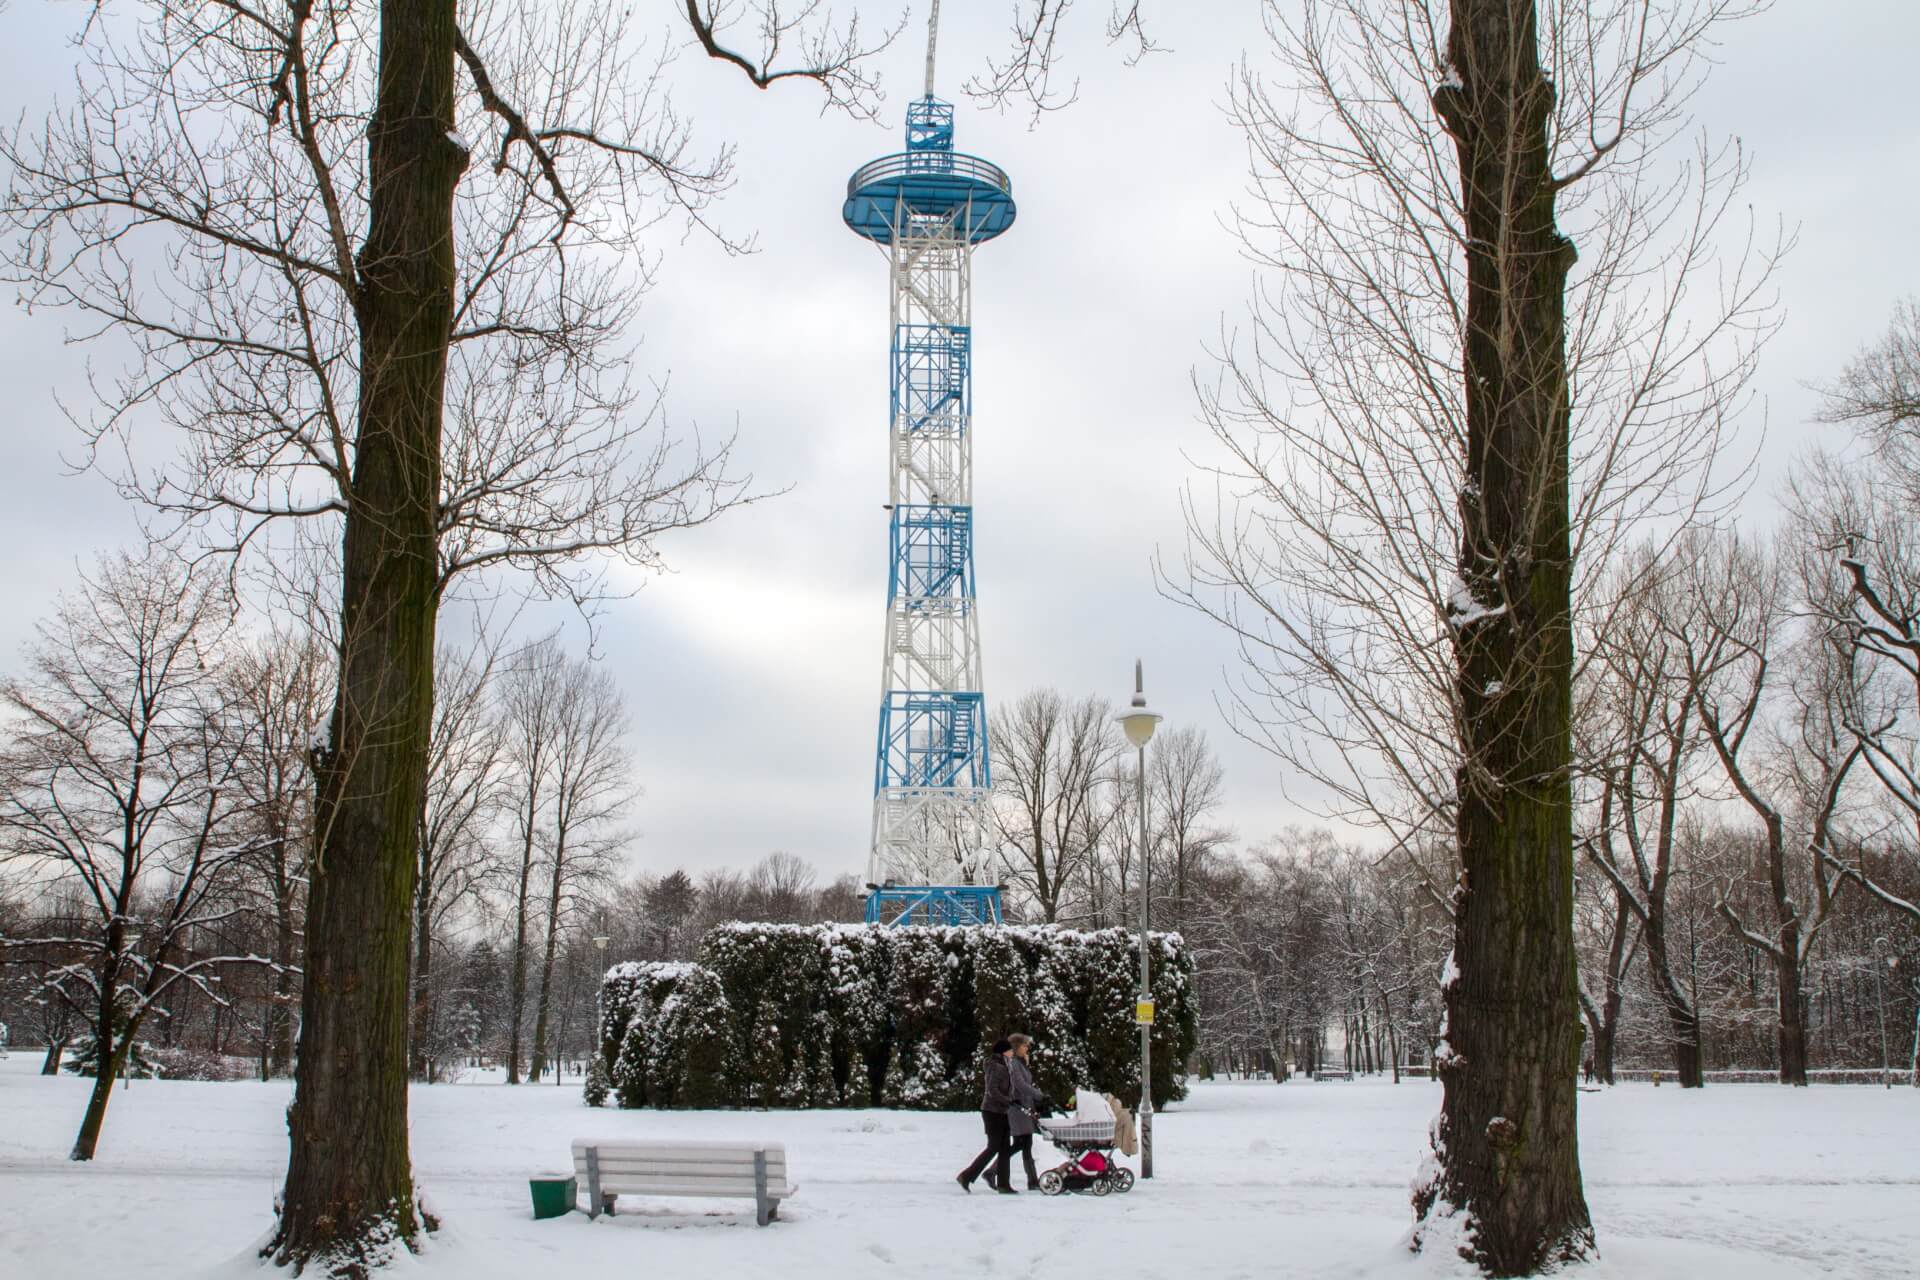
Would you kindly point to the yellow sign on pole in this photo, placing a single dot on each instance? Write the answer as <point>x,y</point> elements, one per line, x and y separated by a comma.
<point>1143,1013</point>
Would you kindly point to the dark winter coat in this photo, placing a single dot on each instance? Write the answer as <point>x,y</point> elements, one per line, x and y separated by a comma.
<point>1026,1098</point>
<point>999,1092</point>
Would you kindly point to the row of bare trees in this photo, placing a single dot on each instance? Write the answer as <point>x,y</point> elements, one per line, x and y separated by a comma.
<point>1743,749</point>
<point>1314,951</point>
<point>1065,820</point>
<point>157,800</point>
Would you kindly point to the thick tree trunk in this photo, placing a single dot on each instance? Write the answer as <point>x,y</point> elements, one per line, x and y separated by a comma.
<point>56,1050</point>
<point>1792,1020</point>
<point>349,1199</point>
<point>1506,1144</point>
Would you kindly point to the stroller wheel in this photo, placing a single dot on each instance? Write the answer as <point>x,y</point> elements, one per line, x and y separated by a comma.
<point>1051,1183</point>
<point>1101,1185</point>
<point>1123,1180</point>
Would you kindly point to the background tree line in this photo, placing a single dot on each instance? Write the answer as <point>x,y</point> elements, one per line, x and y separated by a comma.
<point>1720,774</point>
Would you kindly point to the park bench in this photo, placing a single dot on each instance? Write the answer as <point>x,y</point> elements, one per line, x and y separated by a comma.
<point>735,1170</point>
<point>1330,1073</point>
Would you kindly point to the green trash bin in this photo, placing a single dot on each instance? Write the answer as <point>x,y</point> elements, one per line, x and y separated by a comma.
<point>552,1197</point>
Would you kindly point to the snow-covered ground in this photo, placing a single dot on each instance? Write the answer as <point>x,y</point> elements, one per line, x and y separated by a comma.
<point>1742,1181</point>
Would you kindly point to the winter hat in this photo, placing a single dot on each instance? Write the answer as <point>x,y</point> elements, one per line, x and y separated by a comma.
<point>1001,1046</point>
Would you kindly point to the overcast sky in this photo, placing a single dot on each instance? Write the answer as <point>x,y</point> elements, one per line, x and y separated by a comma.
<point>753,670</point>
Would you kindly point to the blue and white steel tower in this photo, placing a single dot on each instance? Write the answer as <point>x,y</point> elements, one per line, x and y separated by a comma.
<point>927,207</point>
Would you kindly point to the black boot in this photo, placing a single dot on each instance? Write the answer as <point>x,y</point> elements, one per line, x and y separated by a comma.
<point>965,1184</point>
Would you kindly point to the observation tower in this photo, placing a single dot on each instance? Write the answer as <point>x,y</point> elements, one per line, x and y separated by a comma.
<point>927,208</point>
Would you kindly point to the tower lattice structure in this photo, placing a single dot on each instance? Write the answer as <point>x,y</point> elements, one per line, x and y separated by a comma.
<point>928,208</point>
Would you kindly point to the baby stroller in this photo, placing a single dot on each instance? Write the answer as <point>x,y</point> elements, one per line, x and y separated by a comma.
<point>1087,1140</point>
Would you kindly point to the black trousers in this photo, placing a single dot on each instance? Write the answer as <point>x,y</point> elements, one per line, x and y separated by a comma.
<point>999,1152</point>
<point>1023,1147</point>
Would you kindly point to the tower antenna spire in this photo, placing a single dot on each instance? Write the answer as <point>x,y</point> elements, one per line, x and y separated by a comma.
<point>933,33</point>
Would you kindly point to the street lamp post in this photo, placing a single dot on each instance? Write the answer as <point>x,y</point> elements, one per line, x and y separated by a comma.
<point>600,941</point>
<point>1880,999</point>
<point>1139,724</point>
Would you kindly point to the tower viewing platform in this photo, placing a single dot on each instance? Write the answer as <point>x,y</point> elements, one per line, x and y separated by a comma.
<point>931,180</point>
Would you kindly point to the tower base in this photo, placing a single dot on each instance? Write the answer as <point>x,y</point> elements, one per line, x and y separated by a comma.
<point>951,905</point>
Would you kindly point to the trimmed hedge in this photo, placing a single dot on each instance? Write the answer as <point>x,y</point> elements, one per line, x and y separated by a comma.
<point>856,1015</point>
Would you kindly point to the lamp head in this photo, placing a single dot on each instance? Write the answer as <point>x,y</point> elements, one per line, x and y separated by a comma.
<point>601,940</point>
<point>1137,720</point>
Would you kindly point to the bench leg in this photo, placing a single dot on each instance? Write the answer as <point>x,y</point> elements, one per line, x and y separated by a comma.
<point>593,1182</point>
<point>765,1210</point>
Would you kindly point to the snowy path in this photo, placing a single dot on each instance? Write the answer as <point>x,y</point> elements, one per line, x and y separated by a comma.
<point>1301,1180</point>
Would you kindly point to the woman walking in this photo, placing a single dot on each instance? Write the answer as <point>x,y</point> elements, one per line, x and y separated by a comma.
<point>994,1105</point>
<point>1026,1106</point>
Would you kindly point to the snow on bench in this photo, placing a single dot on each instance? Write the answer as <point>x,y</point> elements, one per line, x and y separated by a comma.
<point>742,1170</point>
<point>1333,1073</point>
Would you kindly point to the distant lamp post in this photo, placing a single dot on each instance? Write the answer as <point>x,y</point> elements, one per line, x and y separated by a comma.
<point>602,938</point>
<point>1880,968</point>
<point>1139,725</point>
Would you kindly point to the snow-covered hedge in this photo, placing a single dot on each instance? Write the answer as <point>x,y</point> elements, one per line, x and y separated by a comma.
<point>857,1015</point>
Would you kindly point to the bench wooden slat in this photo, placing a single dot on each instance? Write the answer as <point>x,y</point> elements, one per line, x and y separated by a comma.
<point>671,1148</point>
<point>633,1182</point>
<point>741,1169</point>
<point>664,1188</point>
<point>611,1167</point>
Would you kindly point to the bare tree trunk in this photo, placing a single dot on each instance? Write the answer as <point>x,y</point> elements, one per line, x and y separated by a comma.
<point>1393,1039</point>
<point>1913,1065</point>
<point>1507,1142</point>
<point>517,988</point>
<point>546,966</point>
<point>1607,1034</point>
<point>349,1192</point>
<point>280,1014</point>
<point>420,1067</point>
<point>1792,1022</point>
<point>1683,1023</point>
<point>106,1053</point>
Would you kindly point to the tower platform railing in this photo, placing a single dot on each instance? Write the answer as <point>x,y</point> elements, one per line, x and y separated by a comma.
<point>908,165</point>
